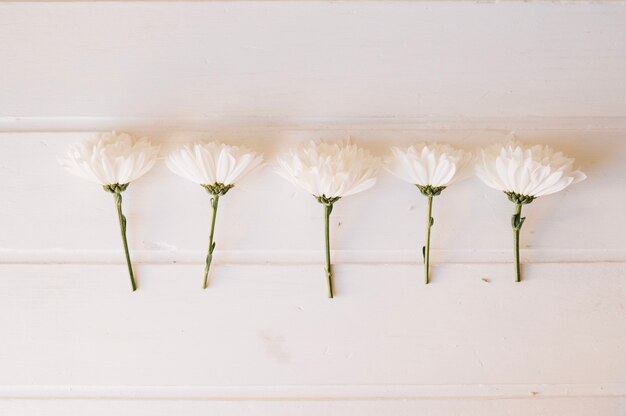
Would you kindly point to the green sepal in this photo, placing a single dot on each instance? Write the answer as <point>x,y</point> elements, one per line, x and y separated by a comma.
<point>429,190</point>
<point>218,189</point>
<point>115,188</point>
<point>519,198</point>
<point>326,200</point>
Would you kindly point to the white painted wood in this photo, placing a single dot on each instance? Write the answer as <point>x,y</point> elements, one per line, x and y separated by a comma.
<point>263,339</point>
<point>268,333</point>
<point>274,321</point>
<point>513,407</point>
<point>287,60</point>
<point>267,219</point>
<point>264,330</point>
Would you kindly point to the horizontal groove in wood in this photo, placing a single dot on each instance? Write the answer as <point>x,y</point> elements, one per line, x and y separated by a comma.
<point>10,124</point>
<point>312,392</point>
<point>295,257</point>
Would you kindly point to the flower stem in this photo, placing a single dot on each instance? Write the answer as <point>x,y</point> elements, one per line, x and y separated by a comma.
<point>122,219</point>
<point>328,208</point>
<point>517,221</point>
<point>214,201</point>
<point>426,251</point>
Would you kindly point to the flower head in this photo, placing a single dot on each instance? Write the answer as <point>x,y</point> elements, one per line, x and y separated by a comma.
<point>213,163</point>
<point>428,164</point>
<point>526,171</point>
<point>431,167</point>
<point>329,170</point>
<point>111,158</point>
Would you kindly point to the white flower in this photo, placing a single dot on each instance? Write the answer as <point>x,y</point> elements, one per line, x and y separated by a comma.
<point>111,158</point>
<point>531,171</point>
<point>329,170</point>
<point>209,163</point>
<point>432,167</point>
<point>525,173</point>
<point>428,164</point>
<point>215,166</point>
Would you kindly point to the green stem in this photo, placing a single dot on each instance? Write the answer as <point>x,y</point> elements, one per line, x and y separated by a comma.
<point>429,224</point>
<point>328,208</point>
<point>214,201</point>
<point>517,222</point>
<point>122,219</point>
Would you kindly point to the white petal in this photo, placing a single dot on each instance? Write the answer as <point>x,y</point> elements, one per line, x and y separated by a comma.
<point>329,169</point>
<point>527,170</point>
<point>111,158</point>
<point>424,164</point>
<point>207,163</point>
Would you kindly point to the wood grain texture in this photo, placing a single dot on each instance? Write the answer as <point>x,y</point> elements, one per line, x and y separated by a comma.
<point>254,334</point>
<point>267,219</point>
<point>509,407</point>
<point>290,60</point>
<point>263,339</point>
<point>265,326</point>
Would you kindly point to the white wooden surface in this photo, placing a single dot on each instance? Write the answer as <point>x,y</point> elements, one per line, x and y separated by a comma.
<point>263,339</point>
<point>267,219</point>
<point>322,60</point>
